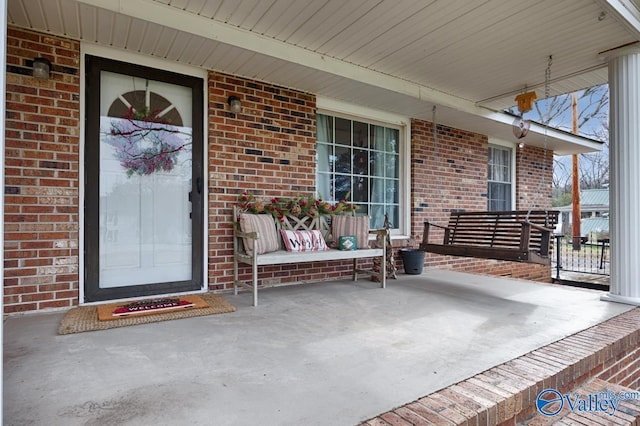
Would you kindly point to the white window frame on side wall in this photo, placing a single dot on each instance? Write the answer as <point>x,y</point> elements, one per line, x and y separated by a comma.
<point>512,147</point>
<point>346,110</point>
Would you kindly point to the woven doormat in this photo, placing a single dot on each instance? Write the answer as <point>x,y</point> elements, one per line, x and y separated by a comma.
<point>156,306</point>
<point>85,318</point>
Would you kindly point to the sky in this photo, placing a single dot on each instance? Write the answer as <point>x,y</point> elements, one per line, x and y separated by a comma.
<point>593,103</point>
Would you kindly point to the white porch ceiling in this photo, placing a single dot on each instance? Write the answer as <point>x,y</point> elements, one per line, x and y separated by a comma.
<point>469,57</point>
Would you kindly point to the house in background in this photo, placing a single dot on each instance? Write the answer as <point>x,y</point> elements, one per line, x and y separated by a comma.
<point>594,213</point>
<point>416,88</point>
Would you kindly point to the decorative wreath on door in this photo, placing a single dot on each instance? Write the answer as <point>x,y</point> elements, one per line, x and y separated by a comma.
<point>145,141</point>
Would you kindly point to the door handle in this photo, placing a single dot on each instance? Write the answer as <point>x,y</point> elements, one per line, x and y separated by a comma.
<point>199,185</point>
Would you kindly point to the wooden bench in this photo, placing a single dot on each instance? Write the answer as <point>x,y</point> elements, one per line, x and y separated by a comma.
<point>520,236</point>
<point>282,256</point>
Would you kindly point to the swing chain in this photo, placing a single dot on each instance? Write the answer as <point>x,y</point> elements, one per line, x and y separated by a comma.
<point>547,80</point>
<point>547,94</point>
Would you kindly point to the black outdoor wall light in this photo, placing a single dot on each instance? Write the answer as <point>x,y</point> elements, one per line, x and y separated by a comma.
<point>41,68</point>
<point>234,104</point>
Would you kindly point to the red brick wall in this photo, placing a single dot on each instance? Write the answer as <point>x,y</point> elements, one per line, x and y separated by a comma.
<point>451,174</point>
<point>534,178</point>
<point>41,165</point>
<point>268,150</point>
<point>447,174</point>
<point>623,367</point>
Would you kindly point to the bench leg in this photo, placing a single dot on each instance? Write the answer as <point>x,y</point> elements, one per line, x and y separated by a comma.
<point>355,269</point>
<point>384,266</point>
<point>254,272</point>
<point>235,276</point>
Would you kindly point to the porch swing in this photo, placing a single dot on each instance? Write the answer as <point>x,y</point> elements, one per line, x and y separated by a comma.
<point>517,236</point>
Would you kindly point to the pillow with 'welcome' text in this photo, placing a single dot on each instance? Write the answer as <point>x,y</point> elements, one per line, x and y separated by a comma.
<point>303,240</point>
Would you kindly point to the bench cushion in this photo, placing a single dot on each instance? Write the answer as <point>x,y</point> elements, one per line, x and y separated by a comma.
<point>268,239</point>
<point>342,226</point>
<point>303,240</point>
<point>283,257</point>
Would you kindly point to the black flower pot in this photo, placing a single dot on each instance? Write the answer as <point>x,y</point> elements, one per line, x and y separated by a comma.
<point>413,260</point>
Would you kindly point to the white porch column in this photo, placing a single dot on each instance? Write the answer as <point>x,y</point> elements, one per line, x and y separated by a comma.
<point>624,174</point>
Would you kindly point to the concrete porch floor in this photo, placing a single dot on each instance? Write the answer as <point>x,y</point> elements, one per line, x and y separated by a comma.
<point>332,353</point>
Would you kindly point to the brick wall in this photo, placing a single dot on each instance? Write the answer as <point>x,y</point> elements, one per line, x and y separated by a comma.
<point>268,150</point>
<point>447,174</point>
<point>450,173</point>
<point>41,165</point>
<point>622,366</point>
<point>534,178</point>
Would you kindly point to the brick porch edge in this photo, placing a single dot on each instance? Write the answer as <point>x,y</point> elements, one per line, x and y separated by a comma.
<point>506,394</point>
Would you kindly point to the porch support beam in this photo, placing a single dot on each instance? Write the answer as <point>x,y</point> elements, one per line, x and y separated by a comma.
<point>624,174</point>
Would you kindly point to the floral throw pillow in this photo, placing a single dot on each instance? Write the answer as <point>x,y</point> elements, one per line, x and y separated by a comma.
<point>265,227</point>
<point>351,225</point>
<point>303,240</point>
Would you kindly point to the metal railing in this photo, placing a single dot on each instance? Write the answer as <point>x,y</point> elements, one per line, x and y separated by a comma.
<point>591,260</point>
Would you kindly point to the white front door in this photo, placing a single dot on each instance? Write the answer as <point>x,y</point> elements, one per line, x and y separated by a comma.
<point>144,183</point>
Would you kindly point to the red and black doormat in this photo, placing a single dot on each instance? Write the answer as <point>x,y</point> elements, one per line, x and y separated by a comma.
<point>149,307</point>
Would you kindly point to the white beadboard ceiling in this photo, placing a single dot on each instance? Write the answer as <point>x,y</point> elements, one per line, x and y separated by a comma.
<point>468,57</point>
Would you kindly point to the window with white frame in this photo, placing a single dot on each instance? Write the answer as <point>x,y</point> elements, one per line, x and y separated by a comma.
<point>500,178</point>
<point>360,160</point>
